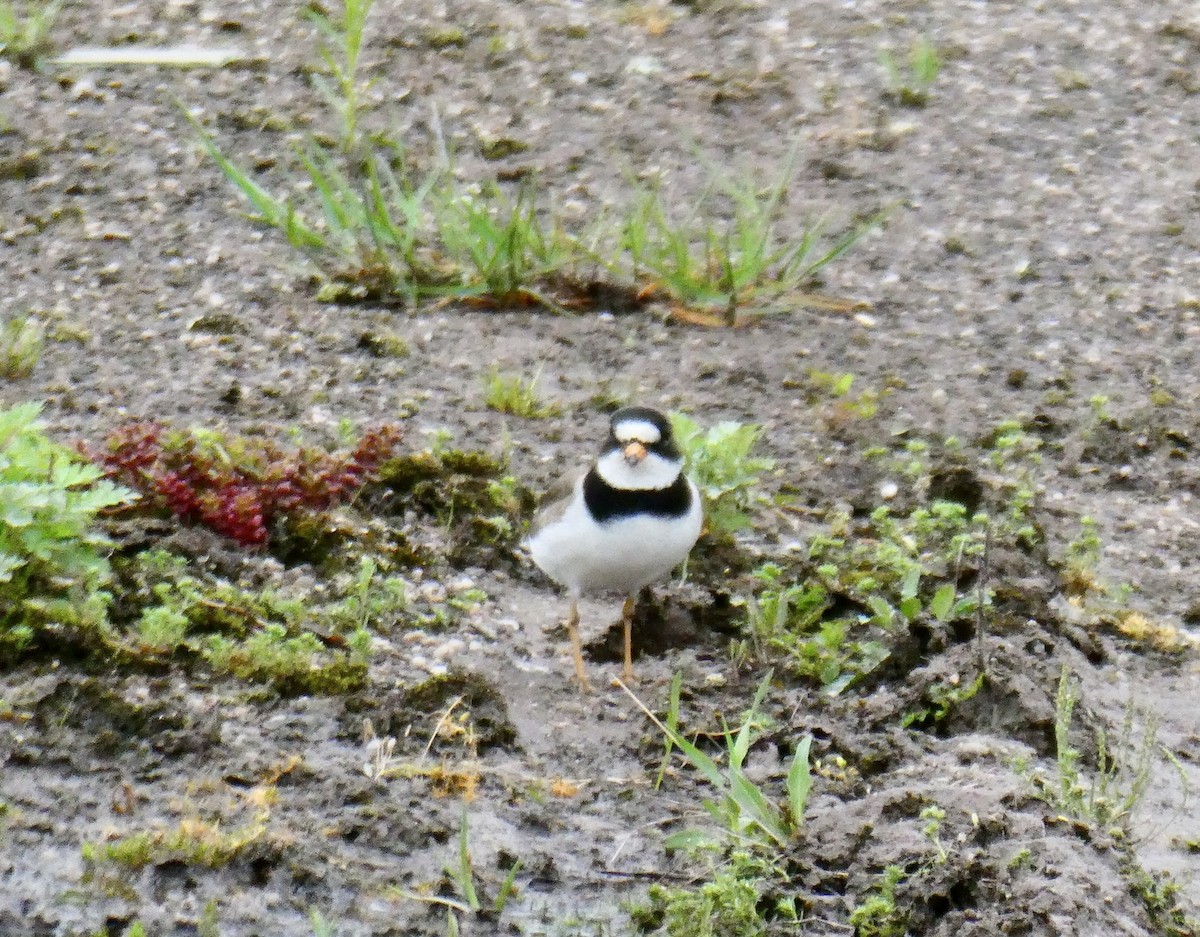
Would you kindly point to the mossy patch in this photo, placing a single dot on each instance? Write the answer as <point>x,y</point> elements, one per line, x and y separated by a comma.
<point>415,711</point>
<point>293,642</point>
<point>480,506</point>
<point>114,724</point>
<point>193,842</point>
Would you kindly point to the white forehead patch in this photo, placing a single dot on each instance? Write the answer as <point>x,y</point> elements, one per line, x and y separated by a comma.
<point>642,431</point>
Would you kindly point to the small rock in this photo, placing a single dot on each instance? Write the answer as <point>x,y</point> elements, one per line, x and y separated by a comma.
<point>449,649</point>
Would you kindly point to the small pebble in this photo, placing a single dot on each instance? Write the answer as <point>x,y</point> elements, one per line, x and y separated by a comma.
<point>449,649</point>
<point>433,592</point>
<point>888,490</point>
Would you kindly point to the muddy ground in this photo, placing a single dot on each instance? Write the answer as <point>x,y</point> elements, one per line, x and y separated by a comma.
<point>1043,247</point>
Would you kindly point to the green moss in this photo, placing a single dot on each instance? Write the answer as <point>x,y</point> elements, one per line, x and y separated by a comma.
<point>193,842</point>
<point>501,148</point>
<point>1159,894</point>
<point>447,37</point>
<point>260,636</point>
<point>739,901</point>
<point>467,492</point>
<point>384,344</point>
<point>877,915</point>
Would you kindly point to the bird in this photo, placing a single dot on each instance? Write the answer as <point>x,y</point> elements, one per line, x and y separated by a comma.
<point>624,523</point>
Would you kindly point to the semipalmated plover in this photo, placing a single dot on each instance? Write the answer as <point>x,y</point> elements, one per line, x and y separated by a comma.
<point>625,523</point>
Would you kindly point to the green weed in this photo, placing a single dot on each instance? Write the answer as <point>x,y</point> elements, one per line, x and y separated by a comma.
<point>724,252</point>
<point>377,228</point>
<point>893,566</point>
<point>721,462</point>
<point>933,815</point>
<point>1082,555</point>
<point>1016,456</point>
<point>505,249</point>
<point>1123,767</point>
<point>743,812</point>
<point>340,50</point>
<point>321,925</point>
<point>25,30</point>
<point>731,904</point>
<point>462,873</point>
<point>1159,895</point>
<point>786,623</point>
<point>53,562</point>
<point>903,568</point>
<point>878,915</point>
<point>387,231</point>
<point>846,405</point>
<point>21,341</point>
<point>511,393</point>
<point>941,699</point>
<point>910,83</point>
<point>672,727</point>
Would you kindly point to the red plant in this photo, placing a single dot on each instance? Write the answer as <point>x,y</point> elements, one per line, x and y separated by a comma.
<point>238,485</point>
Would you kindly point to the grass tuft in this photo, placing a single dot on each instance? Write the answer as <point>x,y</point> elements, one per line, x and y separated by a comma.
<point>511,393</point>
<point>909,82</point>
<point>743,812</point>
<point>21,342</point>
<point>724,253</point>
<point>378,228</point>
<point>25,30</point>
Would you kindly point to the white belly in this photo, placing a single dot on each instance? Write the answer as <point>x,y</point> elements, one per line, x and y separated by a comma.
<point>619,556</point>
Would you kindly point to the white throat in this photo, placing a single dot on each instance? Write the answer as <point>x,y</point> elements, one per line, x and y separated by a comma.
<point>652,472</point>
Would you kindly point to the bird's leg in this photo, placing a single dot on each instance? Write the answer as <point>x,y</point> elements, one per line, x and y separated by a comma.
<point>627,621</point>
<point>576,651</point>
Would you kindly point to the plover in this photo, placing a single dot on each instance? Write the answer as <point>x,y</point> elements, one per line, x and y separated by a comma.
<point>625,523</point>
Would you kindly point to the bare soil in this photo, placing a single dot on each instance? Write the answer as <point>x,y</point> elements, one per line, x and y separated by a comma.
<point>1043,247</point>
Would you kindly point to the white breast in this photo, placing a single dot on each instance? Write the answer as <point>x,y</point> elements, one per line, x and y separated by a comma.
<point>619,556</point>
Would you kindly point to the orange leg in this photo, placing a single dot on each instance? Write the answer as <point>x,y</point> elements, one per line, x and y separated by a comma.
<point>576,651</point>
<point>627,621</point>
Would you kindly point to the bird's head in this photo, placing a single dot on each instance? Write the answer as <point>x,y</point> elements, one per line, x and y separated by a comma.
<point>641,452</point>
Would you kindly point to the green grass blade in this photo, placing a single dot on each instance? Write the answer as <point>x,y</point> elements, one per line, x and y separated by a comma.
<point>672,724</point>
<point>705,765</point>
<point>799,782</point>
<point>754,805</point>
<point>844,243</point>
<point>465,873</point>
<point>271,210</point>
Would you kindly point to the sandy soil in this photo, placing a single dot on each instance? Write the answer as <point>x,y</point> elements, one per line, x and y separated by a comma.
<point>1043,247</point>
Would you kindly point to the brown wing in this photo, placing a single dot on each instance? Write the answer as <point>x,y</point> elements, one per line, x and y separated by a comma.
<point>553,504</point>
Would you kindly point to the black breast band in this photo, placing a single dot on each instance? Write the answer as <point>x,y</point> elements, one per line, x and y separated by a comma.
<point>607,503</point>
